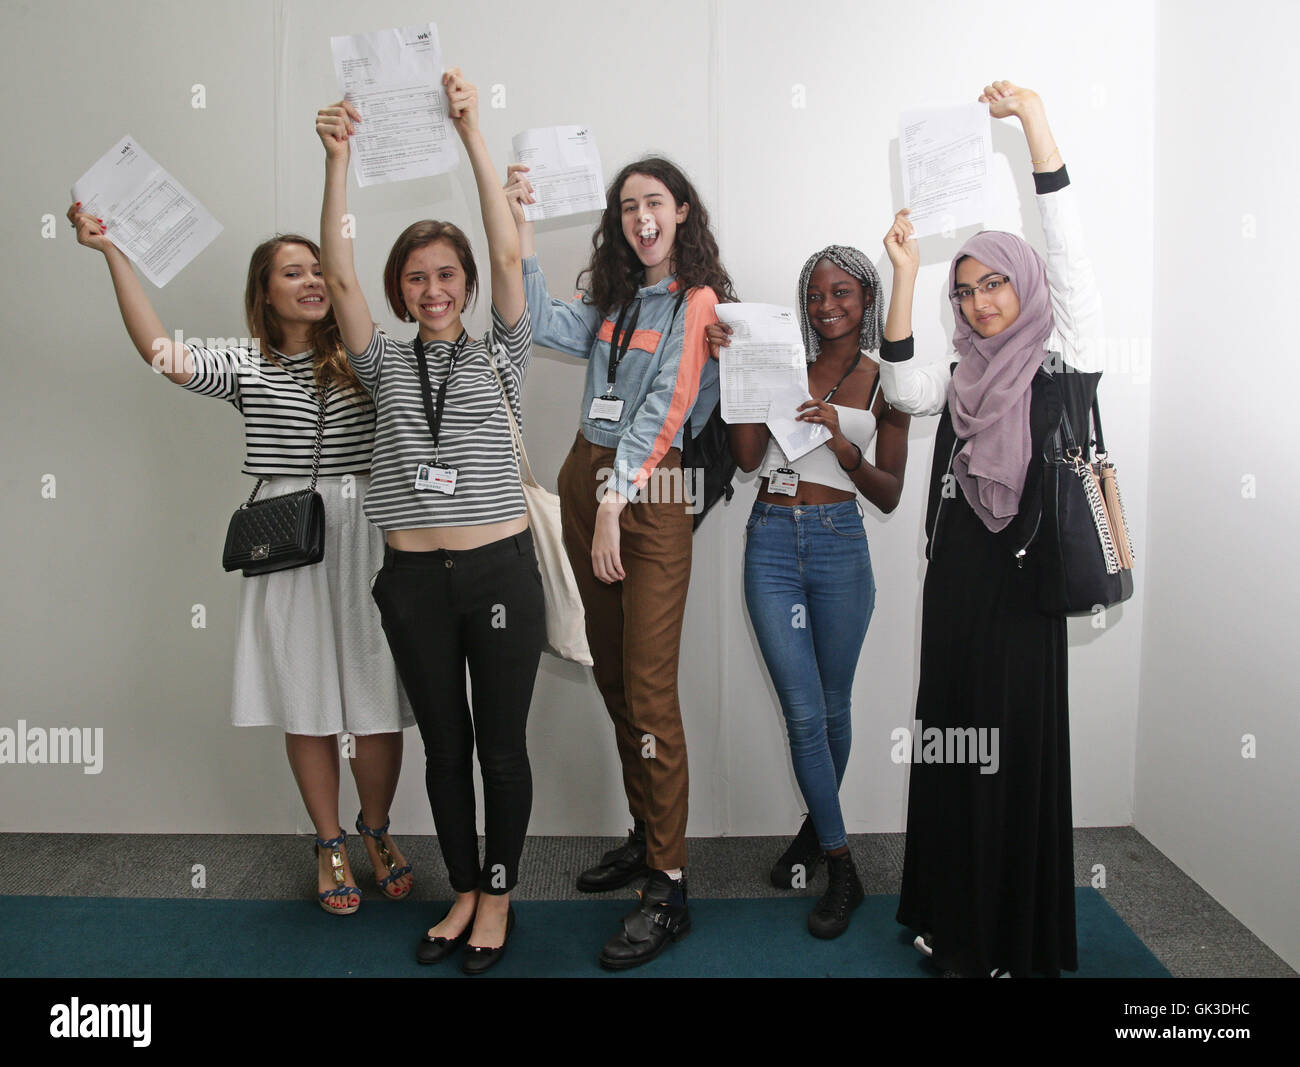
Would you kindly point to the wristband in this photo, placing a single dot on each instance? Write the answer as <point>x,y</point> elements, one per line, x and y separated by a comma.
<point>850,470</point>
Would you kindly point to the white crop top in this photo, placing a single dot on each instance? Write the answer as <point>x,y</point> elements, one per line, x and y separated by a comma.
<point>820,465</point>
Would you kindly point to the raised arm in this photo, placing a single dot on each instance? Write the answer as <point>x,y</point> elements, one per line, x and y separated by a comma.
<point>335,125</point>
<point>566,326</point>
<point>910,389</point>
<point>147,332</point>
<point>498,222</point>
<point>1006,100</point>
<point>1076,306</point>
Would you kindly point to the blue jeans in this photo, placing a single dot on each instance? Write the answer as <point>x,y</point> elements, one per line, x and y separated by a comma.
<point>810,594</point>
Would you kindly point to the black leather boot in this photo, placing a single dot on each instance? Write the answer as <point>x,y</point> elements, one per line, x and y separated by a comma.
<point>662,916</point>
<point>830,917</point>
<point>804,852</point>
<point>619,865</point>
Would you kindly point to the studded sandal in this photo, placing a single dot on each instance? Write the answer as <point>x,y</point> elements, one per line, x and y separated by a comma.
<point>386,858</point>
<point>341,888</point>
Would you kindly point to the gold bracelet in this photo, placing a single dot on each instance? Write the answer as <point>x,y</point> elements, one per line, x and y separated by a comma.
<point>1040,162</point>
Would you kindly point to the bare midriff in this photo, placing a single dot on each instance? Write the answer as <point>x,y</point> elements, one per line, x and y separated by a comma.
<point>809,493</point>
<point>455,538</point>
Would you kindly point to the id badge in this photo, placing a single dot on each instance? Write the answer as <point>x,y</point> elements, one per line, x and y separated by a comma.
<point>439,479</point>
<point>606,408</point>
<point>782,480</point>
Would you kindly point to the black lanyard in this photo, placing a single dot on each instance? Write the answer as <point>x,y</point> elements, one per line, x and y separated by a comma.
<point>434,415</point>
<point>852,367</point>
<point>621,342</point>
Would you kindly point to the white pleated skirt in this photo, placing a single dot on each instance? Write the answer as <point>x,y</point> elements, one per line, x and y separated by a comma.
<point>311,656</point>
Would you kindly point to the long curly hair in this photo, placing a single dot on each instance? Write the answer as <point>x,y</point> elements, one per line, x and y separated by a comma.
<point>614,273</point>
<point>330,365</point>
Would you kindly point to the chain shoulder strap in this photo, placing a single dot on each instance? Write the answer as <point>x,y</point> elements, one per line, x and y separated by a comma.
<point>321,393</point>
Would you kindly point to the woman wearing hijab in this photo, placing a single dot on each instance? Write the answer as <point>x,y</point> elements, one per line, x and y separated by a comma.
<point>988,872</point>
<point>809,588</point>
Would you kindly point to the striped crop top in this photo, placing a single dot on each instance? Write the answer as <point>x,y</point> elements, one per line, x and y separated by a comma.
<point>280,409</point>
<point>475,435</point>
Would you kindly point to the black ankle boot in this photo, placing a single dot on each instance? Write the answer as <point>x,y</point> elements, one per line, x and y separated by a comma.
<point>830,917</point>
<point>662,916</point>
<point>804,853</point>
<point>619,865</point>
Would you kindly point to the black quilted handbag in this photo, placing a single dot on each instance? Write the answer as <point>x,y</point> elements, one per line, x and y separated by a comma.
<point>279,532</point>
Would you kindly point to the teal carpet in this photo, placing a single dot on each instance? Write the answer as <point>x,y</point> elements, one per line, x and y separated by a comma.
<point>101,937</point>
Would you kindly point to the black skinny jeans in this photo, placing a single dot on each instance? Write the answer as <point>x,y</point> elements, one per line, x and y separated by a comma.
<point>440,611</point>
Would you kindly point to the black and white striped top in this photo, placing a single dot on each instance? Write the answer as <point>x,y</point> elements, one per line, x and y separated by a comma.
<point>475,436</point>
<point>279,406</point>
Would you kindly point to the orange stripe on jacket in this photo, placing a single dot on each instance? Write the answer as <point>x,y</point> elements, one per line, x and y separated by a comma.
<point>642,340</point>
<point>700,303</point>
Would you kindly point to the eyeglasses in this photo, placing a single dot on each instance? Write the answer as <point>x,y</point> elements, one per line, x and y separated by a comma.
<point>964,293</point>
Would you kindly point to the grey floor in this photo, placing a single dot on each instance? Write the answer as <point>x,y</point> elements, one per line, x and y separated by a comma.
<point>1186,929</point>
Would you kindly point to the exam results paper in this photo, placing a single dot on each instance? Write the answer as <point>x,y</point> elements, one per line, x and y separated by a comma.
<point>764,374</point>
<point>564,170</point>
<point>394,80</point>
<point>150,216</point>
<point>945,155</point>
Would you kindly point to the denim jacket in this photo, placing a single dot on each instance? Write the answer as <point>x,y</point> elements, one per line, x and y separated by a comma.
<point>665,377</point>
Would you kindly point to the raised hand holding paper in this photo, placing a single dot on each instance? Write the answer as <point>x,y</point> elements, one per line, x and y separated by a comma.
<point>945,154</point>
<point>564,169</point>
<point>394,80</point>
<point>147,213</point>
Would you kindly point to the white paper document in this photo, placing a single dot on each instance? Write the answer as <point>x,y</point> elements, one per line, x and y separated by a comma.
<point>795,438</point>
<point>766,355</point>
<point>150,216</point>
<point>394,80</point>
<point>945,154</point>
<point>564,169</point>
<point>764,374</point>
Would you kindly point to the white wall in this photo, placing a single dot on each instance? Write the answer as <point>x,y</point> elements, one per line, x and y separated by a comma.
<point>102,579</point>
<point>1220,628</point>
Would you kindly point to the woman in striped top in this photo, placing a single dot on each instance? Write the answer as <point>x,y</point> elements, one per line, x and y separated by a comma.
<point>309,656</point>
<point>460,584</point>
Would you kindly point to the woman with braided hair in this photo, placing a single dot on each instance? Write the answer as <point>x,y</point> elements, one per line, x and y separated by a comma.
<point>811,618</point>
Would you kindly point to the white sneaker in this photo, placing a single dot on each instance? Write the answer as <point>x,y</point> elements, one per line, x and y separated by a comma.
<point>923,945</point>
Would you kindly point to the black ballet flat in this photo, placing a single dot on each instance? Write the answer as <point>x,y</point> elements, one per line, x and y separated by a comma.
<point>437,949</point>
<point>476,959</point>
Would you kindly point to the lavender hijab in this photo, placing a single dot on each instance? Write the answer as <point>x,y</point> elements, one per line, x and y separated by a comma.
<point>988,397</point>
